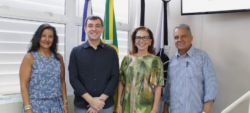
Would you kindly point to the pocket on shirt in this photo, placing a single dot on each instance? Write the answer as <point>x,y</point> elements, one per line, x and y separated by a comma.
<point>84,65</point>
<point>194,72</point>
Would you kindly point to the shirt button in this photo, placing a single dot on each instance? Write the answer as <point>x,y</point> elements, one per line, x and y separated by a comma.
<point>94,89</point>
<point>94,79</point>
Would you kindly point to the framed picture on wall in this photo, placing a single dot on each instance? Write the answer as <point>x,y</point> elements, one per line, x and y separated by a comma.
<point>192,7</point>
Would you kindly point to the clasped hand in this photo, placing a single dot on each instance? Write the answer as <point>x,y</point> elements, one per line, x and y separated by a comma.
<point>97,103</point>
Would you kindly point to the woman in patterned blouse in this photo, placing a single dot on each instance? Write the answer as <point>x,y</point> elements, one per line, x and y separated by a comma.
<point>141,76</point>
<point>42,76</point>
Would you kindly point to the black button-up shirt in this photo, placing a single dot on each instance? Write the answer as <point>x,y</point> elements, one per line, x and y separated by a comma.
<point>93,71</point>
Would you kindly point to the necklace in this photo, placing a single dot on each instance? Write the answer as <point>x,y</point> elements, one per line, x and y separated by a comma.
<point>42,57</point>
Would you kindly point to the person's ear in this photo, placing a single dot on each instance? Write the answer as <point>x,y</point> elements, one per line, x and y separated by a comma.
<point>85,28</point>
<point>150,42</point>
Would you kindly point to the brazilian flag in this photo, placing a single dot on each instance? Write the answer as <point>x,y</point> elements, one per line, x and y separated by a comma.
<point>109,33</point>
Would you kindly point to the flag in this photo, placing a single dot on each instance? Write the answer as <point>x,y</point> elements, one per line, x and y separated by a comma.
<point>161,39</point>
<point>87,11</point>
<point>109,35</point>
<point>140,14</point>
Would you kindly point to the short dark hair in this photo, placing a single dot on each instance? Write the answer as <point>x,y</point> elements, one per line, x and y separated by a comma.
<point>93,17</point>
<point>35,41</point>
<point>151,48</point>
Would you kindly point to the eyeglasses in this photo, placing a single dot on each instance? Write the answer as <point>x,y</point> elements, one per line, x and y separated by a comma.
<point>144,38</point>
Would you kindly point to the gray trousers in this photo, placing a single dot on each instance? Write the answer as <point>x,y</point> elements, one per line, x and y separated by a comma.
<point>107,110</point>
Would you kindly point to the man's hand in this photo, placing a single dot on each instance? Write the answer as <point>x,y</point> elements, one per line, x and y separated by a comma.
<point>165,108</point>
<point>97,103</point>
<point>94,102</point>
<point>104,97</point>
<point>91,110</point>
<point>207,106</point>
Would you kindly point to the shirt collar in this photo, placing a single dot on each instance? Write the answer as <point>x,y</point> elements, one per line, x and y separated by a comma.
<point>86,44</point>
<point>189,53</point>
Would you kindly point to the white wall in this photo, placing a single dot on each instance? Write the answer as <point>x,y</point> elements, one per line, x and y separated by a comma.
<point>225,37</point>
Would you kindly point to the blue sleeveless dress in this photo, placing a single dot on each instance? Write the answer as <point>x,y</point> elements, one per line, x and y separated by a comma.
<point>45,85</point>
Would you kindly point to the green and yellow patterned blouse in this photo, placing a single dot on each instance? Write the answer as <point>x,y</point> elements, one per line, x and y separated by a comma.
<point>139,74</point>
